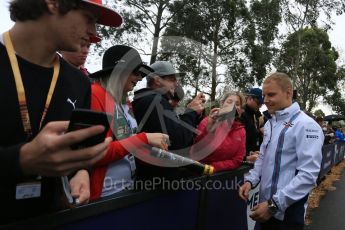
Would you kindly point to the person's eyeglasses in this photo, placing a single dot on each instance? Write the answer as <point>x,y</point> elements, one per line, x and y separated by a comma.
<point>136,73</point>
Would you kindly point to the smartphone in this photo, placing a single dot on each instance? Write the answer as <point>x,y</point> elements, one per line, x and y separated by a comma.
<point>226,113</point>
<point>84,118</point>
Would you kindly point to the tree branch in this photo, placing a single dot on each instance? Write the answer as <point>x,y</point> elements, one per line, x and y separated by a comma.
<point>142,9</point>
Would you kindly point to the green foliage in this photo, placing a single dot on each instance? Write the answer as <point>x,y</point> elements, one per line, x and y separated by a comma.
<point>231,42</point>
<point>144,20</point>
<point>299,14</point>
<point>336,98</point>
<point>265,18</point>
<point>309,58</point>
<point>337,101</point>
<point>319,113</point>
<point>210,26</point>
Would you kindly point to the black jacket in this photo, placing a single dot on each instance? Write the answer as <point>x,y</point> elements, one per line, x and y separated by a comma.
<point>154,114</point>
<point>155,106</point>
<point>250,119</point>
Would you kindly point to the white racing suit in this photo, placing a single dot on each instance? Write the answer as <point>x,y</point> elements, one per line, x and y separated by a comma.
<point>289,162</point>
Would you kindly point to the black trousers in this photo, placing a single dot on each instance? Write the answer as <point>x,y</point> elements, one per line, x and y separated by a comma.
<point>274,224</point>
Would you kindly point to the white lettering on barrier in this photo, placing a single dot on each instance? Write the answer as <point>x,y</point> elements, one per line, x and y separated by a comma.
<point>327,164</point>
<point>253,199</point>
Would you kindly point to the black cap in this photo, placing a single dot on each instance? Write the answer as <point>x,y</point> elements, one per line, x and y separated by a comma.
<point>124,58</point>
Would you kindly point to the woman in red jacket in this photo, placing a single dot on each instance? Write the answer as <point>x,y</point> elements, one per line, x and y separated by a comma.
<point>221,143</point>
<point>122,69</point>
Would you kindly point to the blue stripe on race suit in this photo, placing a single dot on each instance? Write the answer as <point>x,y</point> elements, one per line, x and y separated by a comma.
<point>278,155</point>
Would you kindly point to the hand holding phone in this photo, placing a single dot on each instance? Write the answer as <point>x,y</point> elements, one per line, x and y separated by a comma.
<point>226,113</point>
<point>83,118</point>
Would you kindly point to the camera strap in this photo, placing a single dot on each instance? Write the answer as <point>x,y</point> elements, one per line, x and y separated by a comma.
<point>20,87</point>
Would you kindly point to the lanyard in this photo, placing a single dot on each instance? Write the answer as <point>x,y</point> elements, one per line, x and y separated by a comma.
<point>122,127</point>
<point>121,110</point>
<point>20,87</point>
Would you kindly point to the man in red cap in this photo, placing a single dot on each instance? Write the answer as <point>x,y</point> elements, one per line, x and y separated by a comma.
<point>78,58</point>
<point>38,91</point>
<point>108,17</point>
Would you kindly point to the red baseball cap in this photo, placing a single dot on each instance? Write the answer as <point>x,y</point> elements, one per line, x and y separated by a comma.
<point>108,16</point>
<point>95,39</point>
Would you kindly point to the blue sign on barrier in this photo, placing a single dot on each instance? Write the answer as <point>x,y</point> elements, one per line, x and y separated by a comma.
<point>225,204</point>
<point>205,203</point>
<point>327,160</point>
<point>331,155</point>
<point>215,205</point>
<point>341,149</point>
<point>170,211</point>
<point>335,155</point>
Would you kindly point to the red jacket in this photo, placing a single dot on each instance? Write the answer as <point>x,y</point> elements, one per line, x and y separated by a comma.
<point>224,149</point>
<point>102,101</point>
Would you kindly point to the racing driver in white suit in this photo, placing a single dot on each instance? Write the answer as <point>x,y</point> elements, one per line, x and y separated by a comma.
<point>289,160</point>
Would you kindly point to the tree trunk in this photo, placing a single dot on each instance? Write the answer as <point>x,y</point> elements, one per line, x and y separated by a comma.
<point>304,100</point>
<point>154,50</point>
<point>214,71</point>
<point>197,77</point>
<point>156,33</point>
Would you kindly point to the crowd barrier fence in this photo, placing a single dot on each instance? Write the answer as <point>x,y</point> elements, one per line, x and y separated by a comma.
<point>213,203</point>
<point>332,155</point>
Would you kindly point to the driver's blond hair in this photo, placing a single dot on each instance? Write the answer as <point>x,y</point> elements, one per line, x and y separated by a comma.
<point>282,79</point>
